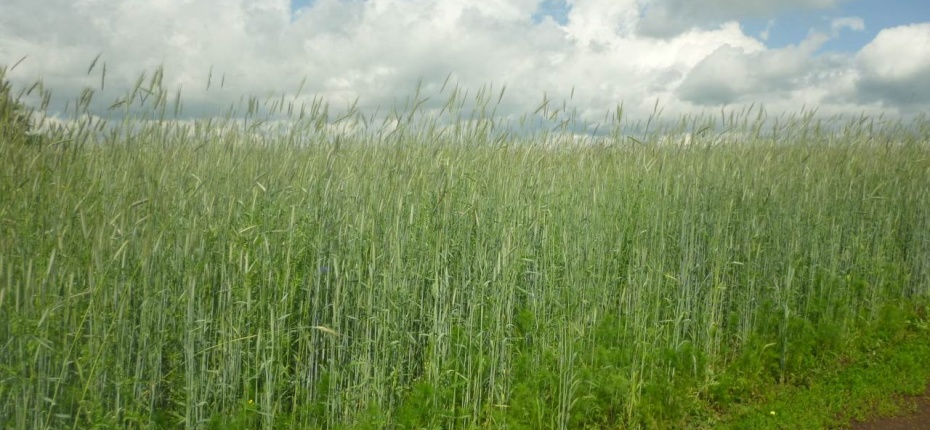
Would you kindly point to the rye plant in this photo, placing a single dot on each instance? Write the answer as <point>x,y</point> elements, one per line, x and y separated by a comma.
<point>287,266</point>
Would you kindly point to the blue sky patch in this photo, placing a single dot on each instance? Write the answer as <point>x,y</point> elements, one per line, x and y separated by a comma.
<point>791,28</point>
<point>557,9</point>
<point>298,4</point>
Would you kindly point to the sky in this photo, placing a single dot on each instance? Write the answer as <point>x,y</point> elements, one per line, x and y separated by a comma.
<point>846,57</point>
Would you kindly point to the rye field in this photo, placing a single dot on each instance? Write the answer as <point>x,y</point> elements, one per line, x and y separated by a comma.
<point>290,267</point>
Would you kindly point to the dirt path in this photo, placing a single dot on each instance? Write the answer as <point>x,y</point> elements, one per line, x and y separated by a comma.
<point>918,420</point>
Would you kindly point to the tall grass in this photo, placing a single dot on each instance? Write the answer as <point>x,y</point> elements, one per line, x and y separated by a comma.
<point>288,268</point>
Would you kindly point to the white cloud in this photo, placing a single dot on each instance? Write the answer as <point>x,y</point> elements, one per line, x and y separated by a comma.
<point>377,50</point>
<point>849,22</point>
<point>764,34</point>
<point>732,75</point>
<point>893,68</point>
<point>669,18</point>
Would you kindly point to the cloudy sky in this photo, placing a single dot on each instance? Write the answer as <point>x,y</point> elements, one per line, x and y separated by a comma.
<point>842,56</point>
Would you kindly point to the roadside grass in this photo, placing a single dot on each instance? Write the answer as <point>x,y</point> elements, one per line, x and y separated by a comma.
<point>445,271</point>
<point>862,384</point>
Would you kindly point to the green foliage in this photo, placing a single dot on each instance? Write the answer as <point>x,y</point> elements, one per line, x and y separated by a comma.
<point>420,408</point>
<point>225,275</point>
<point>14,116</point>
<point>244,416</point>
<point>866,382</point>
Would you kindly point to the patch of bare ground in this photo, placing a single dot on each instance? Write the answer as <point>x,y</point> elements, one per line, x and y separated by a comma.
<point>917,416</point>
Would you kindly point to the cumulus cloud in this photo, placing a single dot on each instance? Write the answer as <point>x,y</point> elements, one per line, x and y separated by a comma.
<point>894,67</point>
<point>669,18</point>
<point>732,75</point>
<point>377,51</point>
